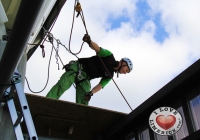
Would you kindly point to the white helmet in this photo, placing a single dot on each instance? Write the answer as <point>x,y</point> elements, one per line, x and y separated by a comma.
<point>129,63</point>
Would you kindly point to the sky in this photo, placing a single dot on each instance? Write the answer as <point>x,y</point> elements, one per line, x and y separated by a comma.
<point>161,37</point>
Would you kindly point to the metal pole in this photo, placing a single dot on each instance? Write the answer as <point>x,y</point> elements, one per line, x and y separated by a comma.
<point>24,22</point>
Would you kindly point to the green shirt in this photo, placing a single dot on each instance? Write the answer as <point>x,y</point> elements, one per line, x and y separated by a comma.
<point>104,53</point>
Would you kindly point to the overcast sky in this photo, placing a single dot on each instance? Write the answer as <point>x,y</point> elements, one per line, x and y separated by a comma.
<point>161,37</point>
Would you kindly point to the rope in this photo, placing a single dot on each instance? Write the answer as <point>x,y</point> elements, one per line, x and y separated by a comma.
<point>82,17</point>
<point>115,83</point>
<point>47,75</point>
<point>45,37</point>
<point>58,42</point>
<point>51,38</point>
<point>71,32</point>
<point>43,52</point>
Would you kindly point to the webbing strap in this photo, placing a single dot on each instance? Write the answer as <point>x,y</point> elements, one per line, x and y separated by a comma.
<point>80,81</point>
<point>71,70</point>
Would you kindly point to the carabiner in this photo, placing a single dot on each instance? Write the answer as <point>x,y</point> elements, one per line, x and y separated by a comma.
<point>80,77</point>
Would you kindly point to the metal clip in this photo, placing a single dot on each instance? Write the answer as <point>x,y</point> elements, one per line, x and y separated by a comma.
<point>16,78</point>
<point>80,77</point>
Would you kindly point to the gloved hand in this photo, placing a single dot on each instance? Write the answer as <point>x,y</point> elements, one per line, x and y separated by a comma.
<point>88,96</point>
<point>87,38</point>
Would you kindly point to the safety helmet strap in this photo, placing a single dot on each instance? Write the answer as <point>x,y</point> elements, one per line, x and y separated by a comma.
<point>120,68</point>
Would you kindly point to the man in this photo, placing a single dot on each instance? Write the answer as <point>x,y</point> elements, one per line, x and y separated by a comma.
<point>103,65</point>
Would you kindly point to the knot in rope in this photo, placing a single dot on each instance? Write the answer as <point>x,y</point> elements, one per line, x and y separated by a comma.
<point>58,41</point>
<point>50,37</point>
<point>78,9</point>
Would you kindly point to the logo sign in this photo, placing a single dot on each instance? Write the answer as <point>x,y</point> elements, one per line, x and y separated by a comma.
<point>165,121</point>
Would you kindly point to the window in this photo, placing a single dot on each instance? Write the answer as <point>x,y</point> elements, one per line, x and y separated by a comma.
<point>160,137</point>
<point>26,137</point>
<point>144,134</point>
<point>183,132</point>
<point>195,111</point>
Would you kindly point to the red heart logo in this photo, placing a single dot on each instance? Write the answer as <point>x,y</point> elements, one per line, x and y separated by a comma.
<point>165,122</point>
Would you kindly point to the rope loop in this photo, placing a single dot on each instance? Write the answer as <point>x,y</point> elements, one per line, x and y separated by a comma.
<point>80,12</point>
<point>77,8</point>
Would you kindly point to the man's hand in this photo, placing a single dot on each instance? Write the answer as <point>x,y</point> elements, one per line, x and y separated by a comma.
<point>87,38</point>
<point>88,96</point>
<point>91,44</point>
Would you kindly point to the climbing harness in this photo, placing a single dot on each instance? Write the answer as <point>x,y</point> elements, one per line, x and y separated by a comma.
<point>82,16</point>
<point>79,74</point>
<point>79,71</point>
<point>80,77</point>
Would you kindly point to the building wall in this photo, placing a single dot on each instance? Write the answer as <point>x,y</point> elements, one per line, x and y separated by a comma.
<point>188,106</point>
<point>6,127</point>
<point>182,93</point>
